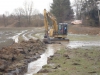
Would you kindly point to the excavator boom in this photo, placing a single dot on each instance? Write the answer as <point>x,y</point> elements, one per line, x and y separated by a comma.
<point>45,22</point>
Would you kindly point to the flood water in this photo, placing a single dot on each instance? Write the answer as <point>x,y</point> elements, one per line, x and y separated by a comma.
<point>35,66</point>
<point>77,40</point>
<point>77,44</point>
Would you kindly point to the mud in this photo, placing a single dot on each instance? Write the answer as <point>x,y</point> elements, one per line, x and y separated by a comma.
<point>15,58</point>
<point>37,65</point>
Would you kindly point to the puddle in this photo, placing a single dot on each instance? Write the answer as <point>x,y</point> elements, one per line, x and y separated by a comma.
<point>76,44</point>
<point>82,40</point>
<point>35,66</point>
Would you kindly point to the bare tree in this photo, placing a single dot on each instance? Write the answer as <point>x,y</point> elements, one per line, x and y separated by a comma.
<point>35,12</point>
<point>28,9</point>
<point>5,18</point>
<point>19,12</point>
<point>77,8</point>
<point>36,18</point>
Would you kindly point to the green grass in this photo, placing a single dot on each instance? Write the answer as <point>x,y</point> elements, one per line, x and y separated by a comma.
<point>81,62</point>
<point>75,37</point>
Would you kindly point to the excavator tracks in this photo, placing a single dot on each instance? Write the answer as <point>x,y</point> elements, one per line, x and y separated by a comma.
<point>55,40</point>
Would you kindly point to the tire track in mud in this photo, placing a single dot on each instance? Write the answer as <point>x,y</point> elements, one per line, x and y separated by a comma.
<point>8,37</point>
<point>30,36</point>
<point>16,37</point>
<point>27,34</point>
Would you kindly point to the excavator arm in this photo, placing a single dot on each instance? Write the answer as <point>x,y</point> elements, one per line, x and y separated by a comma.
<point>54,22</point>
<point>45,23</point>
<point>56,31</point>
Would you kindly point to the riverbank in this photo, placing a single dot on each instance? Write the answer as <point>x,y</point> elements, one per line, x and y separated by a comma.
<point>79,61</point>
<point>14,59</point>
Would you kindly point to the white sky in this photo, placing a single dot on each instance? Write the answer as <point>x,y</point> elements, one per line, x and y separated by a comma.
<point>10,5</point>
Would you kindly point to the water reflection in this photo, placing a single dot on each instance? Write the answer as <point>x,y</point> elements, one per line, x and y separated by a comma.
<point>35,66</point>
<point>76,44</point>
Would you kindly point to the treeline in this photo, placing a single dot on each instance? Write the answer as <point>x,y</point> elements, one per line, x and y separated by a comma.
<point>62,10</point>
<point>88,11</point>
<point>22,17</point>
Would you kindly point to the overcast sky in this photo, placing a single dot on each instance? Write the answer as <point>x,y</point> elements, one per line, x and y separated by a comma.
<point>10,5</point>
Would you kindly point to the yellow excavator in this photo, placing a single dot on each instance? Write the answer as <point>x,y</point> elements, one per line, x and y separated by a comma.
<point>54,32</point>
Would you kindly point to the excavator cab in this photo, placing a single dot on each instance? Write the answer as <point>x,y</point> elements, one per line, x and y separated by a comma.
<point>62,29</point>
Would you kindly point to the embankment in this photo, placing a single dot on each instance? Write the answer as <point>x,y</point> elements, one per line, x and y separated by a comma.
<point>15,58</point>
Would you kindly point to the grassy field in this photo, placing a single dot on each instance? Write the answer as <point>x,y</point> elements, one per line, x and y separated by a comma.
<point>73,62</point>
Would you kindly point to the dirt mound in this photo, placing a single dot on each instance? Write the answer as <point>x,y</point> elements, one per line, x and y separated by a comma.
<point>15,58</point>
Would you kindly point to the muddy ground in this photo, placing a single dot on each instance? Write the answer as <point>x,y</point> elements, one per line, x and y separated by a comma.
<point>14,59</point>
<point>82,60</point>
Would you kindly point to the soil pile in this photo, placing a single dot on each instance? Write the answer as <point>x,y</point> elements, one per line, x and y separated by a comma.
<point>15,58</point>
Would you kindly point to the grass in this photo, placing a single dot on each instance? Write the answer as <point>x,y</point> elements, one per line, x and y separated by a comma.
<point>80,62</point>
<point>81,33</point>
<point>76,37</point>
<point>78,29</point>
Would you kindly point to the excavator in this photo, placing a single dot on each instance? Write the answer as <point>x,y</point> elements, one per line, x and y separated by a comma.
<point>54,32</point>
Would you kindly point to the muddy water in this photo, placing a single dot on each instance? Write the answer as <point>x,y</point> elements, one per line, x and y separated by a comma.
<point>77,44</point>
<point>35,66</point>
<point>82,40</point>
